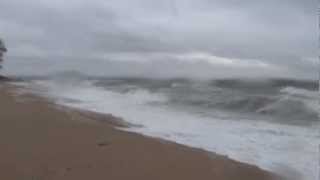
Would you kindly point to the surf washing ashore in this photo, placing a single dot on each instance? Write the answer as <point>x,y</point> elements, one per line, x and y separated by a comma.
<point>272,124</point>
<point>40,140</point>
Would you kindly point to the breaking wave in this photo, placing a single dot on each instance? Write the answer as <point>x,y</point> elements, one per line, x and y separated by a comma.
<point>269,124</point>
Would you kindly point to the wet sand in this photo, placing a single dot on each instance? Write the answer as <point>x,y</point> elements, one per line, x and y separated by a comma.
<point>41,141</point>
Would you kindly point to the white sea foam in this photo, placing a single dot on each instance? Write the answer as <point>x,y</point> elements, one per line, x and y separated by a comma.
<point>300,92</point>
<point>311,98</point>
<point>283,149</point>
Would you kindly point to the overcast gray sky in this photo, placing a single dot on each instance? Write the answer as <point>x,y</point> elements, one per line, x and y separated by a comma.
<point>196,38</point>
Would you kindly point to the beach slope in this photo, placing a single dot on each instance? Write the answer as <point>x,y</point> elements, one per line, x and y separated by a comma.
<point>40,141</point>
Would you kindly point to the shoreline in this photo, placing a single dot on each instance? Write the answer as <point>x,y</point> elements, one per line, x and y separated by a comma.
<point>40,140</point>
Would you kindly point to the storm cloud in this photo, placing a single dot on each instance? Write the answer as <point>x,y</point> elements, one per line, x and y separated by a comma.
<point>203,38</point>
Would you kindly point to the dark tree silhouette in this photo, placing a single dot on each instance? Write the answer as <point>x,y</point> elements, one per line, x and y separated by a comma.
<point>3,50</point>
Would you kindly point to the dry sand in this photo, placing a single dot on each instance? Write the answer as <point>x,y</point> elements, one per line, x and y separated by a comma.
<point>39,141</point>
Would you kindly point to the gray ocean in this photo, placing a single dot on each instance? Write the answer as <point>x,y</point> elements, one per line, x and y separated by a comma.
<point>271,123</point>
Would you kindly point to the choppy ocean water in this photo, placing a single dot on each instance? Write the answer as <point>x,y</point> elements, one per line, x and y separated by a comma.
<point>273,124</point>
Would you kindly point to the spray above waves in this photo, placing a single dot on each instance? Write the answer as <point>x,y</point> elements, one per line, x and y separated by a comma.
<point>277,100</point>
<point>282,101</point>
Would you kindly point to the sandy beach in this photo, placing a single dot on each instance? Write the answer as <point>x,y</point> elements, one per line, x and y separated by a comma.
<point>40,141</point>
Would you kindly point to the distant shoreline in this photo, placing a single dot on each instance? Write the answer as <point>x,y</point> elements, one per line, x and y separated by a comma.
<point>4,78</point>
